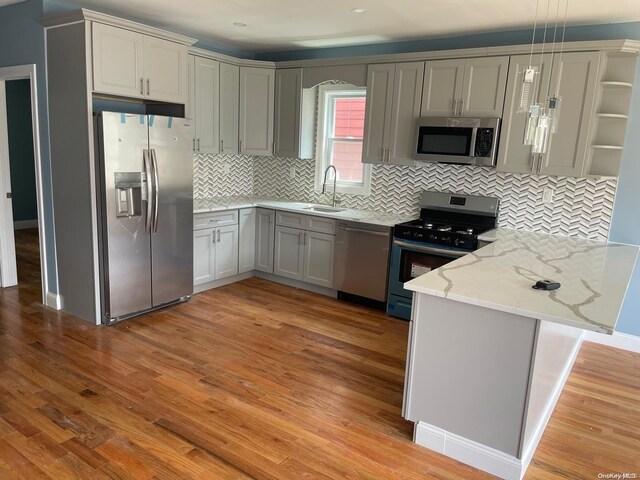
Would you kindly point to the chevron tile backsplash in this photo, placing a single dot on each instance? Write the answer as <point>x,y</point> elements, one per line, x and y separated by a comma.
<point>581,207</point>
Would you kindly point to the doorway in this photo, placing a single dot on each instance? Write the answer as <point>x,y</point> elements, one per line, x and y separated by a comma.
<point>22,253</point>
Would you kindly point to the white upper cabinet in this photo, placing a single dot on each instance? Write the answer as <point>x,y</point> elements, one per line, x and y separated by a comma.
<point>229,107</point>
<point>288,97</point>
<point>483,87</point>
<point>394,93</point>
<point>465,87</point>
<point>442,87</point>
<point>126,63</point>
<point>165,70</point>
<point>207,105</point>
<point>576,75</point>
<point>513,155</point>
<point>256,110</point>
<point>117,61</point>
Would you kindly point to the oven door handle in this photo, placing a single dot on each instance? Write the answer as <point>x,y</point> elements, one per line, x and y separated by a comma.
<point>435,251</point>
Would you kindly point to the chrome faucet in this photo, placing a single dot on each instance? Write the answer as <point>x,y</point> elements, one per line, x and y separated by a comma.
<point>324,183</point>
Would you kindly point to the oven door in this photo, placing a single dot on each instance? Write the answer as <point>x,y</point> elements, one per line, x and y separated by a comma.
<point>410,260</point>
<point>446,144</point>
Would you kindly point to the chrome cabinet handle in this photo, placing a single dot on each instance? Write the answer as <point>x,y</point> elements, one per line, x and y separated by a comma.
<point>533,162</point>
<point>455,107</point>
<point>154,162</point>
<point>433,250</point>
<point>213,236</point>
<point>240,146</point>
<point>273,148</point>
<point>461,112</point>
<point>148,87</point>
<point>221,145</point>
<point>194,144</point>
<point>141,86</point>
<point>198,144</point>
<point>218,235</point>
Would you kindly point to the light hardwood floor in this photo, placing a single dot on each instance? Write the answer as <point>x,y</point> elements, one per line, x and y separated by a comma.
<point>256,380</point>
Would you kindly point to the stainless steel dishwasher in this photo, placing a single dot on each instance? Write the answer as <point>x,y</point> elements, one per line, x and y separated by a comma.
<point>361,262</point>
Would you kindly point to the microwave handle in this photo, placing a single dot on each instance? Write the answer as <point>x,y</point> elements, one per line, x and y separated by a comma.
<point>472,149</point>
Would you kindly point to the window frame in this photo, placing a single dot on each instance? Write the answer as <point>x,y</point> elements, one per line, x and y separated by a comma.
<point>325,94</point>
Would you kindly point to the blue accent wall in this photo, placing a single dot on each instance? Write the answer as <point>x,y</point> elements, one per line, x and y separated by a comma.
<point>612,31</point>
<point>20,133</point>
<point>22,41</point>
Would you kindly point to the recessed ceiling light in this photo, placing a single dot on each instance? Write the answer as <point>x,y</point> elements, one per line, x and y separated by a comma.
<point>240,24</point>
<point>358,10</point>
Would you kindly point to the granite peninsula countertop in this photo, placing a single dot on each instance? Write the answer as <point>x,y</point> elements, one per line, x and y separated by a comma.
<point>594,276</point>
<point>231,203</point>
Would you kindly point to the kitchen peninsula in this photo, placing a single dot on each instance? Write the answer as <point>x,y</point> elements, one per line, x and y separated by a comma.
<point>488,354</point>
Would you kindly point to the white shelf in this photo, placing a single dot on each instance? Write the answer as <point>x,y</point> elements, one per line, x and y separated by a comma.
<point>607,84</point>
<point>612,115</point>
<point>607,147</point>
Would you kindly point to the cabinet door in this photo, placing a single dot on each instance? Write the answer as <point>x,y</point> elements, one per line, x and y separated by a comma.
<point>483,86</point>
<point>165,70</point>
<point>265,238</point>
<point>247,240</point>
<point>256,110</point>
<point>117,61</point>
<point>190,107</point>
<point>513,156</point>
<point>407,97</point>
<point>289,253</point>
<point>442,87</point>
<point>287,119</point>
<point>575,75</point>
<point>204,251</point>
<point>318,258</point>
<point>207,105</point>
<point>226,251</point>
<point>229,107</point>
<point>377,115</point>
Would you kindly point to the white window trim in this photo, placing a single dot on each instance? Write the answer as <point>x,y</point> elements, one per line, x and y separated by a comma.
<point>341,187</point>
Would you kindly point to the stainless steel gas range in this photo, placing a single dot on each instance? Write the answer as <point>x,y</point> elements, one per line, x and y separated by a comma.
<point>447,229</point>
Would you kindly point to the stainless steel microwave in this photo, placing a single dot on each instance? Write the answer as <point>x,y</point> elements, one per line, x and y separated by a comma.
<point>467,141</point>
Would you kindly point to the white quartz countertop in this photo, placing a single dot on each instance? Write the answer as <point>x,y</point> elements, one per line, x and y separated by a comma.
<point>232,203</point>
<point>594,278</point>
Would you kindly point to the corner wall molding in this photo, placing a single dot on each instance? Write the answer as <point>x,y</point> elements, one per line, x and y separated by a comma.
<point>54,301</point>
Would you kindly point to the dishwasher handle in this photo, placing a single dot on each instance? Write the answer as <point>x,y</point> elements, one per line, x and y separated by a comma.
<point>362,230</point>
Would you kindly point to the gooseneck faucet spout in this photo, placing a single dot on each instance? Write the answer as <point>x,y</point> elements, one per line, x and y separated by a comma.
<point>324,183</point>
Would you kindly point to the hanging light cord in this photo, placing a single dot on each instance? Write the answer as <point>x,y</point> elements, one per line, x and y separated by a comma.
<point>553,43</point>
<point>544,35</point>
<point>564,27</point>
<point>533,36</point>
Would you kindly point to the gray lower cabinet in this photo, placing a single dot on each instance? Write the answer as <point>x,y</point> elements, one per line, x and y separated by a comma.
<point>215,246</point>
<point>215,254</point>
<point>247,240</point>
<point>305,255</point>
<point>264,238</point>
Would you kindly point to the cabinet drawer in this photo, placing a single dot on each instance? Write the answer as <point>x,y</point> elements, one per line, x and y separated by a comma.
<point>288,219</point>
<point>215,219</point>
<point>320,224</point>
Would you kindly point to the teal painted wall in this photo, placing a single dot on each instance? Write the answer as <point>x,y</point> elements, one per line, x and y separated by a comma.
<point>20,131</point>
<point>22,41</point>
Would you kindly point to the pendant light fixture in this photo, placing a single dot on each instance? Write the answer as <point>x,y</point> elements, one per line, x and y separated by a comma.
<point>543,117</point>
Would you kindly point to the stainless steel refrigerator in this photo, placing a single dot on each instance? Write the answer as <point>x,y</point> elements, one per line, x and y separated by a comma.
<point>145,204</point>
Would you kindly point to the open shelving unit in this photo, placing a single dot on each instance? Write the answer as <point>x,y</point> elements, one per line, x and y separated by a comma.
<point>610,124</point>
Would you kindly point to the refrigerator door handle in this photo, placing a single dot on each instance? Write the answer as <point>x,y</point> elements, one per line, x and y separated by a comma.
<point>154,162</point>
<point>149,189</point>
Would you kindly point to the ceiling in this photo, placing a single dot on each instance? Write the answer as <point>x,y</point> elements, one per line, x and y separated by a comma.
<point>4,3</point>
<point>293,24</point>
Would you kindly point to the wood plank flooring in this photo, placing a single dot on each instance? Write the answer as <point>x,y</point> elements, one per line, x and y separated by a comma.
<point>256,380</point>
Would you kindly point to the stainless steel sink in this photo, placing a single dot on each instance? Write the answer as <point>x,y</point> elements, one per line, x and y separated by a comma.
<point>324,209</point>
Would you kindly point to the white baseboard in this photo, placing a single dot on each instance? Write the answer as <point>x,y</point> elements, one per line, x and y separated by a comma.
<point>54,301</point>
<point>469,452</point>
<point>620,340</point>
<point>486,458</point>
<point>24,224</point>
<point>529,450</point>
<point>221,283</point>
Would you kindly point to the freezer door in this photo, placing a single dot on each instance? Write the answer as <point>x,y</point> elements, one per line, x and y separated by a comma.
<point>172,224</point>
<point>126,253</point>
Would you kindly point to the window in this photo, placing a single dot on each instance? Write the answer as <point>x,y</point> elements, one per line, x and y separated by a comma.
<point>339,139</point>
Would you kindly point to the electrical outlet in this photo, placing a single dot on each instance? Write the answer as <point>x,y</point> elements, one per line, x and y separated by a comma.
<point>292,172</point>
<point>227,168</point>
<point>547,195</point>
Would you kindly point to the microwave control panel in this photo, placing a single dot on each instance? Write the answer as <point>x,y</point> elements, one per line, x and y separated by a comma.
<point>484,142</point>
